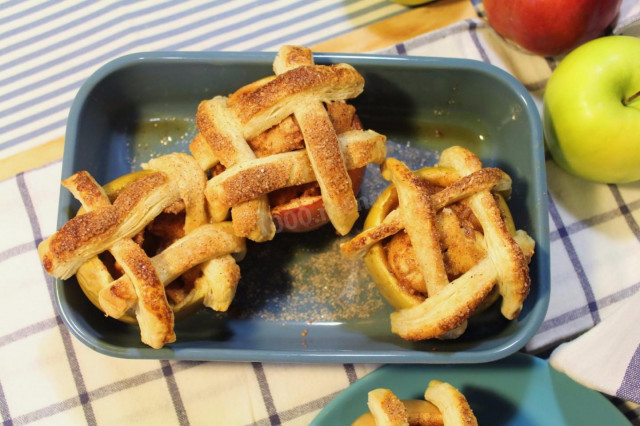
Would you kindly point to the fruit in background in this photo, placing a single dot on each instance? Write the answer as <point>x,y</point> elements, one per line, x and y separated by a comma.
<point>412,2</point>
<point>550,27</point>
<point>592,110</point>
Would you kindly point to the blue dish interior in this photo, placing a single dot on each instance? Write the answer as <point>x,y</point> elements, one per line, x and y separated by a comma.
<point>298,300</point>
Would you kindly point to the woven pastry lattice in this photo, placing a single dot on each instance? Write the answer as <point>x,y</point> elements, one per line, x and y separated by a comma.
<point>163,243</point>
<point>442,245</point>
<point>286,131</point>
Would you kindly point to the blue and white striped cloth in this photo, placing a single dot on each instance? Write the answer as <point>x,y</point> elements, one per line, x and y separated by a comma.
<point>49,48</point>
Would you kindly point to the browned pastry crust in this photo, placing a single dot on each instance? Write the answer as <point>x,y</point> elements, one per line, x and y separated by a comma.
<point>140,289</point>
<point>510,262</point>
<point>451,403</point>
<point>190,180</point>
<point>218,283</point>
<point>387,409</point>
<point>418,213</point>
<point>209,241</point>
<point>264,175</point>
<point>468,243</point>
<point>302,107</point>
<point>326,160</point>
<point>152,311</point>
<point>270,104</point>
<point>284,138</point>
<point>454,304</point>
<point>485,179</point>
<point>203,153</point>
<point>91,233</point>
<point>85,189</point>
<point>223,132</point>
<point>321,141</point>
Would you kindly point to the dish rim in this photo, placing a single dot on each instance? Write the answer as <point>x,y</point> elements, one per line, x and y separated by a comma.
<point>516,361</point>
<point>538,182</point>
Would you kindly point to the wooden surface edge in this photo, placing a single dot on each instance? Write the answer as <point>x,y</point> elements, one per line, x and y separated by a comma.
<point>385,33</point>
<point>31,158</point>
<point>399,28</point>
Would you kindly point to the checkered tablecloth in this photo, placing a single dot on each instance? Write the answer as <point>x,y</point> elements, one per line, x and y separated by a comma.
<point>49,48</point>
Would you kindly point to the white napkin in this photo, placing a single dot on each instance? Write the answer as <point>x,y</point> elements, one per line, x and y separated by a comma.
<point>594,231</point>
<point>607,357</point>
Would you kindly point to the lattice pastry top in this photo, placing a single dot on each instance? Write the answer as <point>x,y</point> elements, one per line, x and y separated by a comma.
<point>264,144</point>
<point>174,185</point>
<point>156,243</point>
<point>447,225</point>
<point>443,404</point>
<point>285,131</point>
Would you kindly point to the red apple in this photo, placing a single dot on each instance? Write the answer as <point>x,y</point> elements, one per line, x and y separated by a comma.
<point>305,212</point>
<point>550,27</point>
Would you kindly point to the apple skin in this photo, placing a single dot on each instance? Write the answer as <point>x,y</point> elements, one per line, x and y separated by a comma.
<point>591,118</point>
<point>306,213</point>
<point>412,2</point>
<point>550,27</point>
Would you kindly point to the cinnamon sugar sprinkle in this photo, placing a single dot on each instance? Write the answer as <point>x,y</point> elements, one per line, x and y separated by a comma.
<point>305,279</point>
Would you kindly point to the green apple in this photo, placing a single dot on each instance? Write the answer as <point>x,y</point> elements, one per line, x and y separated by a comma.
<point>592,110</point>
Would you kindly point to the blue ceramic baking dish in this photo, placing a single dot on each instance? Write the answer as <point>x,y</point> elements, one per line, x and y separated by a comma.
<point>298,300</point>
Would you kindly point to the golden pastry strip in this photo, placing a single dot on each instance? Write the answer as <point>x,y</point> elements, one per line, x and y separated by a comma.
<point>207,160</point>
<point>218,283</point>
<point>510,263</point>
<point>481,180</point>
<point>361,243</point>
<point>152,312</point>
<point>386,408</point>
<point>291,57</point>
<point>440,248</point>
<point>321,142</point>
<point>418,214</point>
<point>217,286</point>
<point>89,234</point>
<point>454,303</point>
<point>203,153</point>
<point>276,115</point>
<point>85,189</point>
<point>271,103</point>
<point>206,242</point>
<point>452,404</point>
<point>326,160</point>
<point>251,179</point>
<point>223,132</point>
<point>190,179</point>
